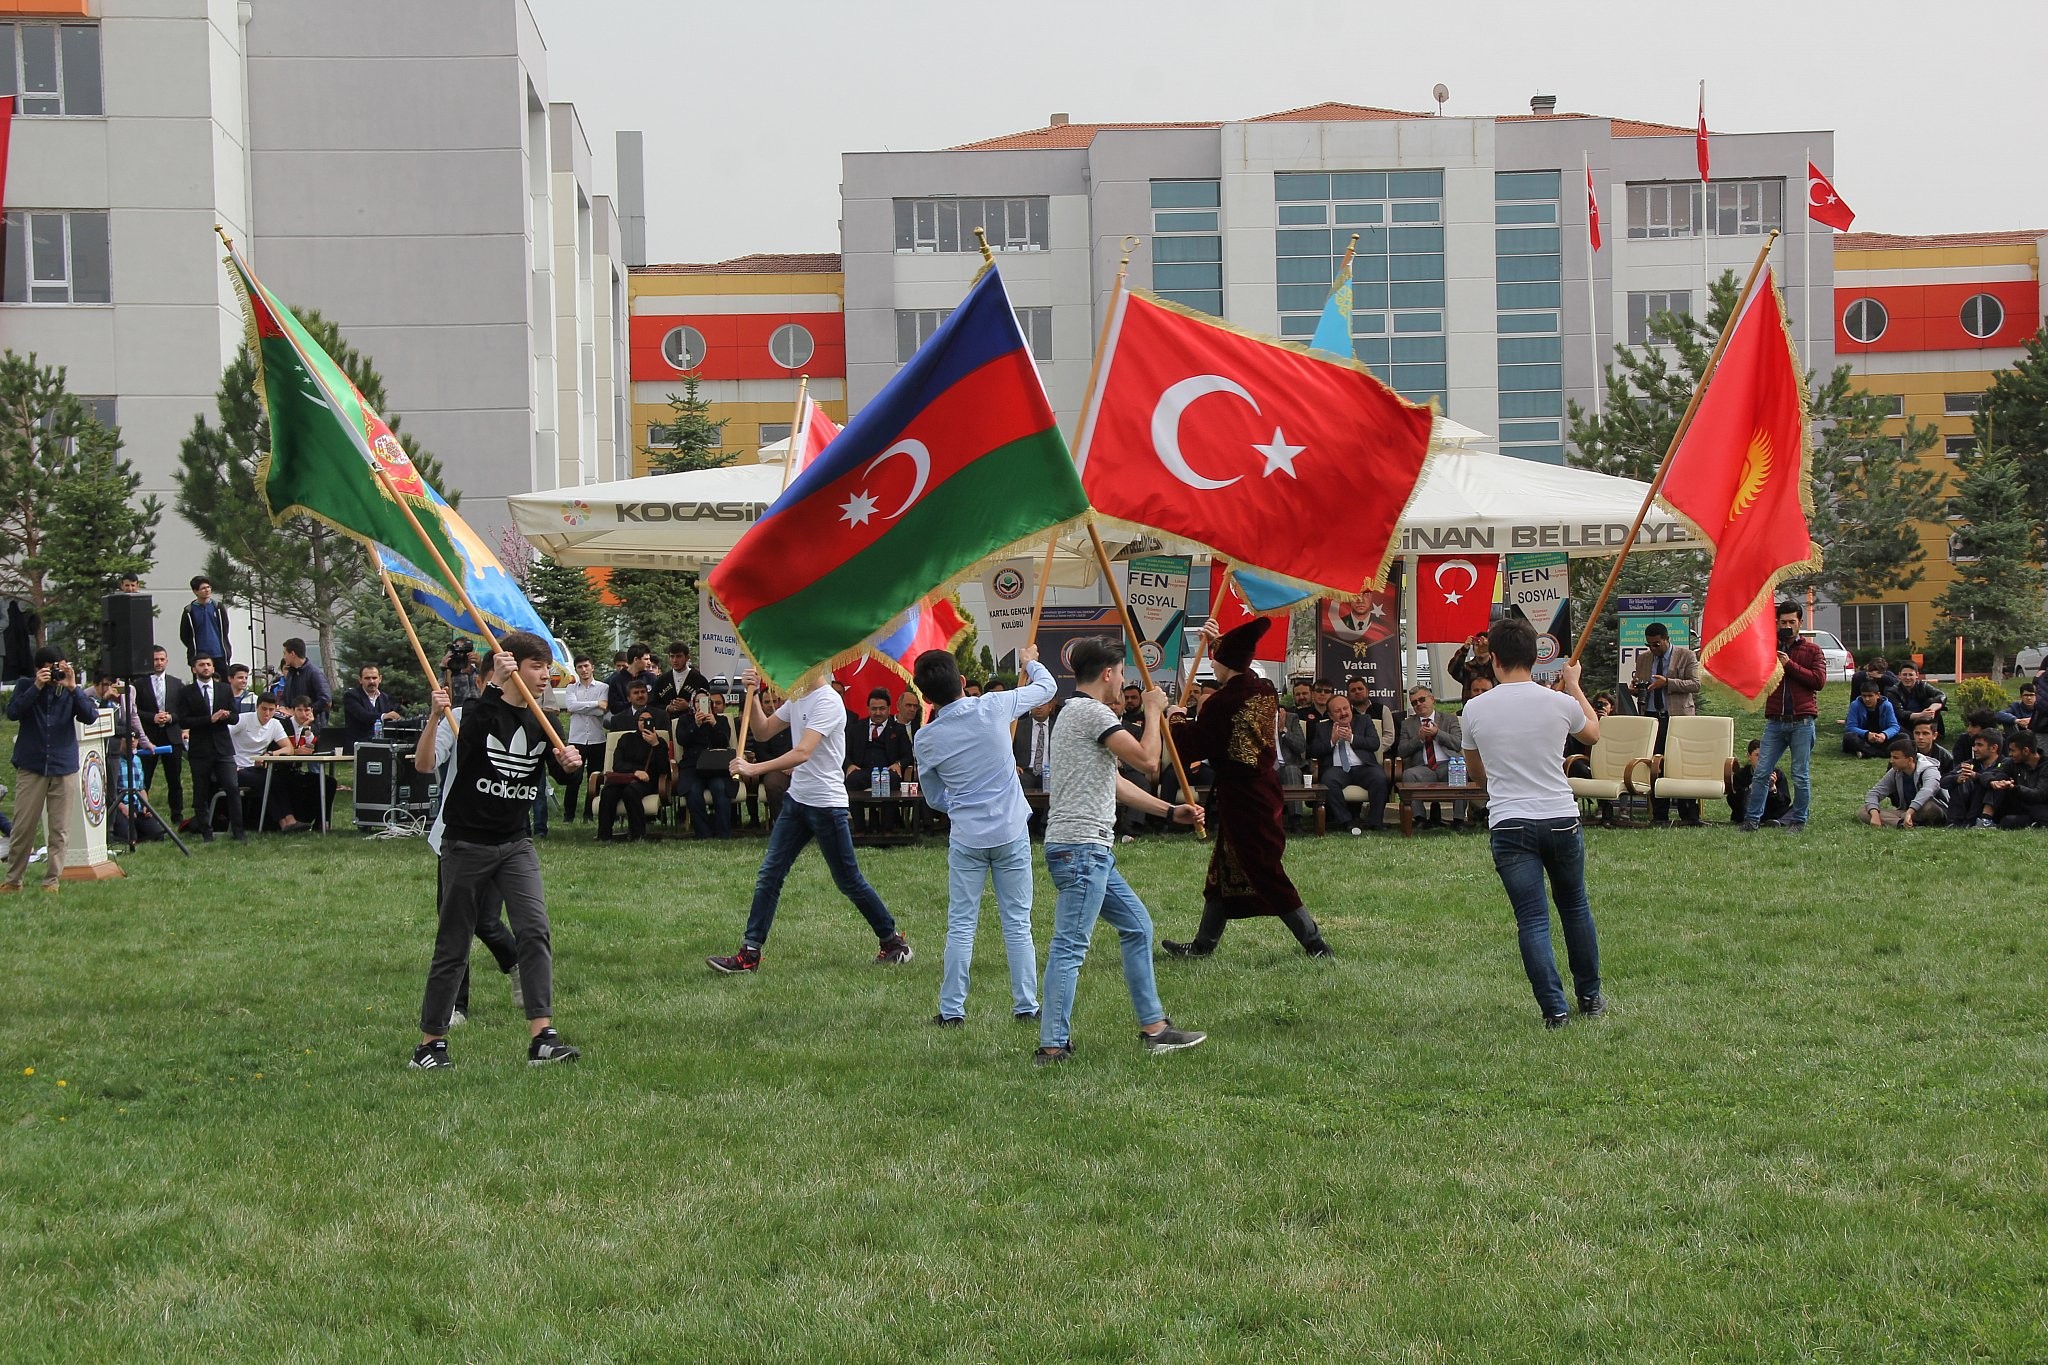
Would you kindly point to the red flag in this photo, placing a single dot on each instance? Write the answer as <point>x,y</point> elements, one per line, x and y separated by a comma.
<point>1453,597</point>
<point>6,132</point>
<point>813,433</point>
<point>934,623</point>
<point>1741,477</point>
<point>1823,205</point>
<point>1700,138</point>
<point>1592,210</point>
<point>1285,462</point>
<point>1232,611</point>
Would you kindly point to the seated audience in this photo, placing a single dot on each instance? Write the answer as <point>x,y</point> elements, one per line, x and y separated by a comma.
<point>910,715</point>
<point>1915,699</point>
<point>704,782</point>
<point>256,733</point>
<point>1870,726</point>
<point>2021,714</point>
<point>1968,787</point>
<point>1912,784</point>
<point>1304,695</point>
<point>772,786</point>
<point>640,762</point>
<point>2020,793</point>
<point>1875,670</point>
<point>365,705</point>
<point>1348,752</point>
<point>310,787</point>
<point>625,718</point>
<point>877,740</point>
<point>1776,802</point>
<point>1925,742</point>
<point>970,688</point>
<point>1319,693</point>
<point>1364,707</point>
<point>1427,740</point>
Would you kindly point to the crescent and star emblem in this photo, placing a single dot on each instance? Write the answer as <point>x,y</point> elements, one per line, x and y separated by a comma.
<point>1173,405</point>
<point>1756,470</point>
<point>860,508</point>
<point>1471,578</point>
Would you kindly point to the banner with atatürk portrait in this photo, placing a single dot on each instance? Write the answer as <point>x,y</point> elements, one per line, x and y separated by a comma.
<point>1360,637</point>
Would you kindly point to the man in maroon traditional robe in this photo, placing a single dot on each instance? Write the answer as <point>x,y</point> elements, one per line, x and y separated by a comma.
<point>1236,730</point>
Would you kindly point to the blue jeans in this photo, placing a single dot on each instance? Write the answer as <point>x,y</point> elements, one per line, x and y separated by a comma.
<point>1091,888</point>
<point>708,799</point>
<point>1523,851</point>
<point>967,871</point>
<point>797,826</point>
<point>1780,736</point>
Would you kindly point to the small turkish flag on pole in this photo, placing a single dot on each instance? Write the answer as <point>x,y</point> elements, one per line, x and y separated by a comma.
<point>1823,205</point>
<point>1592,211</point>
<point>1453,597</point>
<point>1700,138</point>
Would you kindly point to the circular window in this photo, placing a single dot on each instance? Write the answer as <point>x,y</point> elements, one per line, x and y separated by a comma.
<point>1983,316</point>
<point>1865,321</point>
<point>791,346</point>
<point>683,348</point>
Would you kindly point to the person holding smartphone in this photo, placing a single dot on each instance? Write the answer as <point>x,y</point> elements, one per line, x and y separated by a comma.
<point>46,762</point>
<point>703,786</point>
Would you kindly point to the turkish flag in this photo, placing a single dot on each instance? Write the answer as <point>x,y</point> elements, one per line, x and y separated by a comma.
<point>1231,611</point>
<point>1453,597</point>
<point>813,433</point>
<point>1592,211</point>
<point>1289,463</point>
<point>1699,138</point>
<point>1823,205</point>
<point>1740,475</point>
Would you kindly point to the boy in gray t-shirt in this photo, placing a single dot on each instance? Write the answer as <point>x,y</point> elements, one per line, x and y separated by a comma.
<point>1088,742</point>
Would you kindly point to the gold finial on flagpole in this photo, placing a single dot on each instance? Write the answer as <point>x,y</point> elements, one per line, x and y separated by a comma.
<point>1131,244</point>
<point>226,240</point>
<point>981,240</point>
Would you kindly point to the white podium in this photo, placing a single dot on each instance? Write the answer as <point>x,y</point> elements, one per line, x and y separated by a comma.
<point>92,812</point>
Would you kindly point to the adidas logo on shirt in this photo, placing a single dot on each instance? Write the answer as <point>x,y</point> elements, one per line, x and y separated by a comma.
<point>515,757</point>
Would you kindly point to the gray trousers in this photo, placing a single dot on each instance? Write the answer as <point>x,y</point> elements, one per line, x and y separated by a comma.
<point>474,876</point>
<point>36,798</point>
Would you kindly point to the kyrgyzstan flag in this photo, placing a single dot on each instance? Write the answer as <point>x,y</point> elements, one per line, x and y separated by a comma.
<point>1244,601</point>
<point>1823,205</point>
<point>1453,597</point>
<point>1740,476</point>
<point>1283,461</point>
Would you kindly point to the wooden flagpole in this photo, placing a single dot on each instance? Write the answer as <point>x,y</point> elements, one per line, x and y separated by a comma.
<point>798,424</point>
<point>1217,590</point>
<point>1180,769</point>
<point>1677,436</point>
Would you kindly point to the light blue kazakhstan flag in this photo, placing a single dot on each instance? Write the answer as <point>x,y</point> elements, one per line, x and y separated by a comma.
<point>494,591</point>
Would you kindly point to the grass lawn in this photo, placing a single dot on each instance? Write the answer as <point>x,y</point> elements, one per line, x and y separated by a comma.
<point>1811,1128</point>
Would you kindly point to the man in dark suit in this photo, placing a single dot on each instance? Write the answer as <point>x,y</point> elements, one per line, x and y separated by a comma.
<point>365,704</point>
<point>1347,748</point>
<point>878,741</point>
<point>156,698</point>
<point>1031,742</point>
<point>639,666</point>
<point>676,687</point>
<point>206,713</point>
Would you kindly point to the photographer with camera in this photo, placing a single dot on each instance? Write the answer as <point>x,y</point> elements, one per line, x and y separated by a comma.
<point>1790,715</point>
<point>464,683</point>
<point>46,762</point>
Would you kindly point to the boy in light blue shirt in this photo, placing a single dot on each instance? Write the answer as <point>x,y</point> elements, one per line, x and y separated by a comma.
<point>966,768</point>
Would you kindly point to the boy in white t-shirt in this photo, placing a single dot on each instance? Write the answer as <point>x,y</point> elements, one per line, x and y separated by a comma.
<point>814,809</point>
<point>1514,744</point>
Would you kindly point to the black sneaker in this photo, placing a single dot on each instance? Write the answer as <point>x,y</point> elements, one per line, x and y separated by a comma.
<point>745,960</point>
<point>1025,1016</point>
<point>1749,827</point>
<point>1052,1056</point>
<point>430,1056</point>
<point>949,1020</point>
<point>547,1046</point>
<point>1320,949</point>
<point>1191,949</point>
<point>895,948</point>
<point>1170,1039</point>
<point>1556,1020</point>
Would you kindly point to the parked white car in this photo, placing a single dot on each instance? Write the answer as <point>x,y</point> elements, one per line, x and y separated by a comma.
<point>2030,658</point>
<point>1841,663</point>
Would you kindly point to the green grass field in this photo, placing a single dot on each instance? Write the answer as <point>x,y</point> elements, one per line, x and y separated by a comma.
<point>1811,1128</point>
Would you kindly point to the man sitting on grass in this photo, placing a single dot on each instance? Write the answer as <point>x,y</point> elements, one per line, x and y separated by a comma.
<point>1870,726</point>
<point>1967,790</point>
<point>1777,800</point>
<point>1912,784</point>
<point>1927,743</point>
<point>2021,714</point>
<point>2021,795</point>
<point>1915,699</point>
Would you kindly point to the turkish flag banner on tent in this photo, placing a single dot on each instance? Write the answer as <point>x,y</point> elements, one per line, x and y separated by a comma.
<point>1290,464</point>
<point>1453,597</point>
<point>1823,205</point>
<point>1740,476</point>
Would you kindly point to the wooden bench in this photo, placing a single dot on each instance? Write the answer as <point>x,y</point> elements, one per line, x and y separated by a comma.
<point>909,818</point>
<point>1429,794</point>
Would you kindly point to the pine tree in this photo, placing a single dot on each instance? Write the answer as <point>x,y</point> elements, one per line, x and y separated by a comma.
<point>695,440</point>
<point>1996,601</point>
<point>570,604</point>
<point>69,524</point>
<point>660,605</point>
<point>304,568</point>
<point>2014,417</point>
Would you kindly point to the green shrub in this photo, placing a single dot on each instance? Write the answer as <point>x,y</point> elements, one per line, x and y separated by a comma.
<point>1977,694</point>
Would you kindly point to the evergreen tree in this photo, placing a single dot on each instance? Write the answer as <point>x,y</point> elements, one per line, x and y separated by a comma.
<point>660,605</point>
<point>569,602</point>
<point>372,635</point>
<point>304,568</point>
<point>2014,417</point>
<point>1996,601</point>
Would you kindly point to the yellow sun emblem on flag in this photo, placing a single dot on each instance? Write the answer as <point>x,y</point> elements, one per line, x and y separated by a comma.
<point>1756,471</point>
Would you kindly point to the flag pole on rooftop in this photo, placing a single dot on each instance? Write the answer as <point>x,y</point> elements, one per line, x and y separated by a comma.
<point>1592,310</point>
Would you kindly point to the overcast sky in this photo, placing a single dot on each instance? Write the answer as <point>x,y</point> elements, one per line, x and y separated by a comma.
<point>746,107</point>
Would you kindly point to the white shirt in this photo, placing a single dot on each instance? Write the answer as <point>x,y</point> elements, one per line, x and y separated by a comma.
<point>252,739</point>
<point>819,779</point>
<point>1518,730</point>
<point>585,702</point>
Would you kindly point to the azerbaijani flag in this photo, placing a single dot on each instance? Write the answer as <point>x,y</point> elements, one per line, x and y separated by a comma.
<point>955,462</point>
<point>326,443</point>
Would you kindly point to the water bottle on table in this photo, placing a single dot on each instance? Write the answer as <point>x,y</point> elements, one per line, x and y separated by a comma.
<point>1457,770</point>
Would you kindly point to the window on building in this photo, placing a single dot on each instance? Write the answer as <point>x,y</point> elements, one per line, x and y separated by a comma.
<point>914,327</point>
<point>1187,243</point>
<point>771,432</point>
<point>1529,352</point>
<point>54,69</point>
<point>947,225</point>
<point>1958,550</point>
<point>56,257</point>
<point>102,409</point>
<point>1962,404</point>
<point>683,348</point>
<point>1727,208</point>
<point>1647,304</point>
<point>1894,404</point>
<point>790,346</point>
<point>1952,509</point>
<point>661,436</point>
<point>1660,211</point>
<point>1745,208</point>
<point>1982,316</point>
<point>1875,627</point>
<point>1956,447</point>
<point>1865,320</point>
<point>1037,326</point>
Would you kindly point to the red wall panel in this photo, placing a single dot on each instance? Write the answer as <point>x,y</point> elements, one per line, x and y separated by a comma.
<point>736,345</point>
<point>1928,317</point>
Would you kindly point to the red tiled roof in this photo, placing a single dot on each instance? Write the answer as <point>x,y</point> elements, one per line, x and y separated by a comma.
<point>1892,241</point>
<point>761,263</point>
<point>1076,135</point>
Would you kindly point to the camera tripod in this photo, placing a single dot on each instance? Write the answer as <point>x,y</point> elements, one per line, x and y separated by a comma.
<point>123,792</point>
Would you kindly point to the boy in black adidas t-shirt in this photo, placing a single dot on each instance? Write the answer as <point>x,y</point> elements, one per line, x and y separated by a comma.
<point>486,854</point>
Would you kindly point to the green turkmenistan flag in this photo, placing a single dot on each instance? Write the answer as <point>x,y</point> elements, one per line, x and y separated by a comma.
<point>327,445</point>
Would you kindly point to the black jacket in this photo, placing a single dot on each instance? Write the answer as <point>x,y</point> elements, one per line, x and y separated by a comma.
<point>205,736</point>
<point>891,750</point>
<point>144,689</point>
<point>1363,743</point>
<point>360,715</point>
<point>666,691</point>
<point>220,620</point>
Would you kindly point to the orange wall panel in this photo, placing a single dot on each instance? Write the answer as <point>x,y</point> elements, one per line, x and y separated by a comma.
<point>44,9</point>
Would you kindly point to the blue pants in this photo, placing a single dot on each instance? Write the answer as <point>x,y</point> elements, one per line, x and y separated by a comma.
<point>1091,888</point>
<point>1523,852</point>
<point>796,826</point>
<point>1779,737</point>
<point>968,870</point>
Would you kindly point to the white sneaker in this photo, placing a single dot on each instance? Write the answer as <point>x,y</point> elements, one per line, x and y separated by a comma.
<point>1358,829</point>
<point>456,1019</point>
<point>518,991</point>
